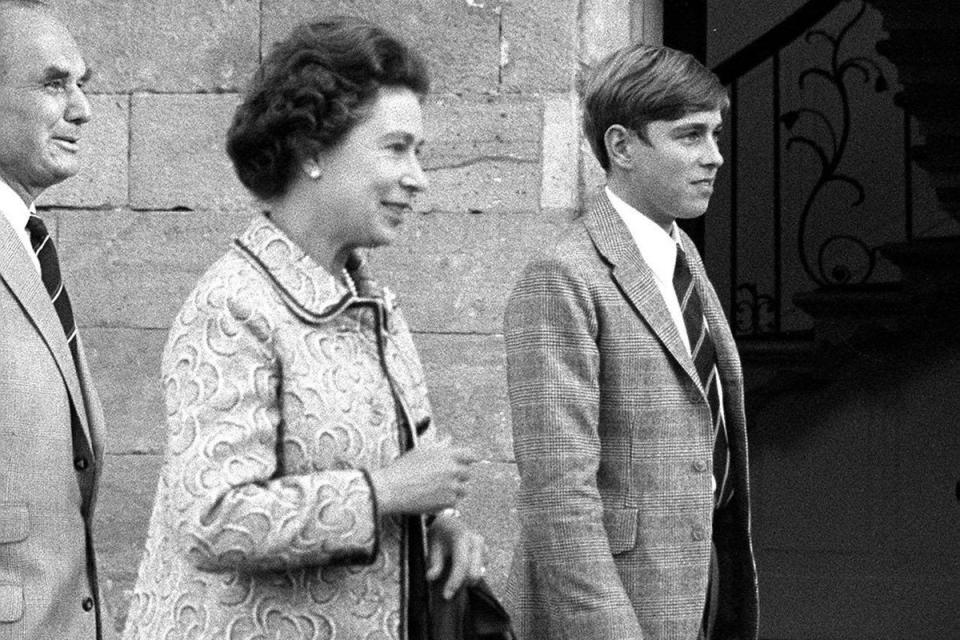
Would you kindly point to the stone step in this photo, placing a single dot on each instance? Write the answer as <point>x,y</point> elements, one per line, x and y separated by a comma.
<point>918,14</point>
<point>846,314</point>
<point>773,365</point>
<point>930,102</point>
<point>942,164</point>
<point>920,45</point>
<point>930,268</point>
<point>913,20</point>
<point>928,73</point>
<point>860,300</point>
<point>939,154</point>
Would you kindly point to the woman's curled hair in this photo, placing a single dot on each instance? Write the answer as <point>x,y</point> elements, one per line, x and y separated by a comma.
<point>309,92</point>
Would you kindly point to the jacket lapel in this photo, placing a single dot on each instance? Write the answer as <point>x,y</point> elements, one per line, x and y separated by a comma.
<point>635,278</point>
<point>728,361</point>
<point>23,281</point>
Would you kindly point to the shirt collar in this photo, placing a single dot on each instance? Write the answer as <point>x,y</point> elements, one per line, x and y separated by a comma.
<point>657,247</point>
<point>13,208</point>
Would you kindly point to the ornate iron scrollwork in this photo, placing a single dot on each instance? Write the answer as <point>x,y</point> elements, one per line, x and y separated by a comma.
<point>755,311</point>
<point>835,264</point>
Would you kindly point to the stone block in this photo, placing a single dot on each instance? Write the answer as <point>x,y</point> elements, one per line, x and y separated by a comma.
<point>539,45</point>
<point>453,272</point>
<point>466,376</point>
<point>134,269</point>
<point>460,39</point>
<point>102,180</point>
<point>482,155</point>
<point>167,46</point>
<point>561,149</point>
<point>177,153</point>
<point>126,370</point>
<point>605,27</point>
<point>127,490</point>
<point>490,509</point>
<point>646,22</point>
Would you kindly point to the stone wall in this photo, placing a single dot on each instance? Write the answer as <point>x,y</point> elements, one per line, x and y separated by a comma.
<point>157,202</point>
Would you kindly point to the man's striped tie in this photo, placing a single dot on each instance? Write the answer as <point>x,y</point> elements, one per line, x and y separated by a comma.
<point>704,359</point>
<point>50,274</point>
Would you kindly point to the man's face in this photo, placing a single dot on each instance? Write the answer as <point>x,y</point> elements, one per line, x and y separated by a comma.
<point>673,173</point>
<point>42,104</point>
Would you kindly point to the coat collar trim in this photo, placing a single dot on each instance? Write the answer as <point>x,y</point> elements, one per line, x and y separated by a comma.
<point>303,283</point>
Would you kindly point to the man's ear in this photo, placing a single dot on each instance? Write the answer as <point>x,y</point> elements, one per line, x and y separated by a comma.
<point>620,143</point>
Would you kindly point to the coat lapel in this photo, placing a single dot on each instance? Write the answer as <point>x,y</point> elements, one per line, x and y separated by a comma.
<point>23,281</point>
<point>307,287</point>
<point>635,278</point>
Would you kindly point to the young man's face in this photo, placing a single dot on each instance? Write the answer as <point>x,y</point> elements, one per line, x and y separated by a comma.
<point>673,172</point>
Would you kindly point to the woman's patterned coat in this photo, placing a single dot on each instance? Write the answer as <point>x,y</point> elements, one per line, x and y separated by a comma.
<point>278,402</point>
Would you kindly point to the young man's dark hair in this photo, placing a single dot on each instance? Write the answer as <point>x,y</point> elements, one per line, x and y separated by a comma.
<point>642,83</point>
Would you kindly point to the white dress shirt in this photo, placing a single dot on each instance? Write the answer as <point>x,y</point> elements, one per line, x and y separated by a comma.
<point>658,249</point>
<point>16,212</point>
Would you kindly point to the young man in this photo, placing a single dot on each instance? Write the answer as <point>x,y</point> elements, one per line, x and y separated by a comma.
<point>50,418</point>
<point>626,389</point>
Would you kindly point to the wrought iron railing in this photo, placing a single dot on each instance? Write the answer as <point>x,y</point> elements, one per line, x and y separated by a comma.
<point>842,258</point>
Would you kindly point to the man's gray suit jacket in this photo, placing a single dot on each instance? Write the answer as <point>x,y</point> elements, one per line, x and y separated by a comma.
<point>613,439</point>
<point>49,464</point>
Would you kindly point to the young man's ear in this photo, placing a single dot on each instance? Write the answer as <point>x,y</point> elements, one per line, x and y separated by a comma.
<point>620,143</point>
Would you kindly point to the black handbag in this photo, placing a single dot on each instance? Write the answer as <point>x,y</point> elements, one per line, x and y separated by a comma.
<point>473,613</point>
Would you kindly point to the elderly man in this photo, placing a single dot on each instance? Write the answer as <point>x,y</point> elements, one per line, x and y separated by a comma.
<point>626,389</point>
<point>50,418</point>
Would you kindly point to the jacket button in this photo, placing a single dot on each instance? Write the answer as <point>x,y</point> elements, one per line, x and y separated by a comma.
<point>700,465</point>
<point>80,463</point>
<point>87,604</point>
<point>698,533</point>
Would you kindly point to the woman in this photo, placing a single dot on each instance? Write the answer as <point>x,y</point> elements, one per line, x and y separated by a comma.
<point>301,461</point>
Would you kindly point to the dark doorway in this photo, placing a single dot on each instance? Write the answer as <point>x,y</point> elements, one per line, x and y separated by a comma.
<point>685,28</point>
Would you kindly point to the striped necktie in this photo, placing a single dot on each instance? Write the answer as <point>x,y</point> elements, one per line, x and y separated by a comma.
<point>50,274</point>
<point>705,361</point>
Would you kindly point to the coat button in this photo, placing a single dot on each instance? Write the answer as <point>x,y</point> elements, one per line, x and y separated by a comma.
<point>700,465</point>
<point>699,533</point>
<point>87,604</point>
<point>80,463</point>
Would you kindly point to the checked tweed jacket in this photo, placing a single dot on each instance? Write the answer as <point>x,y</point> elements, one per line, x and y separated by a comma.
<point>48,475</point>
<point>613,439</point>
<point>278,403</point>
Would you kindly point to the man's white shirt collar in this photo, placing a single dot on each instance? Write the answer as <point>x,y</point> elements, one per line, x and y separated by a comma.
<point>657,247</point>
<point>16,212</point>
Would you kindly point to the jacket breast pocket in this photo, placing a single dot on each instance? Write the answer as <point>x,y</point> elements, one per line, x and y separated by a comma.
<point>14,528</point>
<point>621,526</point>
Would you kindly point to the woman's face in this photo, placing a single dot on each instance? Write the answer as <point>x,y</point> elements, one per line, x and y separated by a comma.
<point>368,182</point>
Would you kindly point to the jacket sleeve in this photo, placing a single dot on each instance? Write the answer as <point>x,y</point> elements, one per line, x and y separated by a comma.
<point>553,369</point>
<point>234,506</point>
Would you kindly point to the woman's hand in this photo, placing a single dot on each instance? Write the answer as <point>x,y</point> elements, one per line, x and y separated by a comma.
<point>427,479</point>
<point>449,540</point>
